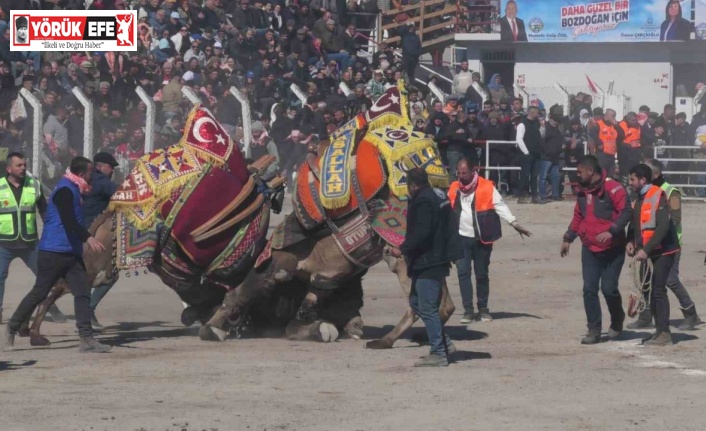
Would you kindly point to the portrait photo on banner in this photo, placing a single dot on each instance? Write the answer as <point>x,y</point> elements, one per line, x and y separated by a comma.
<point>600,21</point>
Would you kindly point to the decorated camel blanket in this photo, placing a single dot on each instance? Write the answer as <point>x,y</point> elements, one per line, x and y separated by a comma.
<point>164,190</point>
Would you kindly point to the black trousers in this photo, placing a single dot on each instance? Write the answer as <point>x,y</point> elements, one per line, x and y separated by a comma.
<point>659,303</point>
<point>409,65</point>
<point>50,268</point>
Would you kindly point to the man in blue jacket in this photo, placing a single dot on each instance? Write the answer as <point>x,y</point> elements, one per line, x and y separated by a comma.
<point>102,189</point>
<point>431,244</point>
<point>61,256</point>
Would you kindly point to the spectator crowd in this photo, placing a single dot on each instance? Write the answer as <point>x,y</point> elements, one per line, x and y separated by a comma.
<point>263,48</point>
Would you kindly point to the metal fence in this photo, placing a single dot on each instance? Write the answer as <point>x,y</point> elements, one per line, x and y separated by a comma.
<point>675,174</point>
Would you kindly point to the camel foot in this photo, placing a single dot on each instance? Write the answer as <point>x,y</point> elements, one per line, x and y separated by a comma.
<point>38,340</point>
<point>23,332</point>
<point>326,332</point>
<point>354,328</point>
<point>211,333</point>
<point>380,344</point>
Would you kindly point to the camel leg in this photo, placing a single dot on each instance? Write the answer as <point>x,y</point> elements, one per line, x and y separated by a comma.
<point>235,306</point>
<point>307,323</point>
<point>56,292</point>
<point>446,307</point>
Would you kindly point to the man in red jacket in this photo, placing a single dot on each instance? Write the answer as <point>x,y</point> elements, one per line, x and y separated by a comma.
<point>601,214</point>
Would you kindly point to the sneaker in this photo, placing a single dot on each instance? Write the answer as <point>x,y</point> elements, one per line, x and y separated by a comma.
<point>465,320</point>
<point>523,200</point>
<point>538,201</point>
<point>689,323</point>
<point>659,339</point>
<point>593,337</point>
<point>433,360</point>
<point>91,345</point>
<point>451,347</point>
<point>484,315</point>
<point>558,198</point>
<point>8,340</point>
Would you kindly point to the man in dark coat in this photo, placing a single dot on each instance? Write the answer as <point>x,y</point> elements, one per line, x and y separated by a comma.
<point>430,245</point>
<point>411,49</point>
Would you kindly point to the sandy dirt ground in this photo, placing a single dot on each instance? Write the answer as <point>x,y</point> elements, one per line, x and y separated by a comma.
<point>524,371</point>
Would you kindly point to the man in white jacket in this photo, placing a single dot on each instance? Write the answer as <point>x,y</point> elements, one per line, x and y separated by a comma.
<point>462,80</point>
<point>478,207</point>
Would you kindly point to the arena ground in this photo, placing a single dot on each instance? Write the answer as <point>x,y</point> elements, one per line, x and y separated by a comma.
<point>524,371</point>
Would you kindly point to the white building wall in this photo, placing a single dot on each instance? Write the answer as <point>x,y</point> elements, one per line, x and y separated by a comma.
<point>645,83</point>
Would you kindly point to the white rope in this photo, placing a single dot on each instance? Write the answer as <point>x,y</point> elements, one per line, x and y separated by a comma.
<point>641,273</point>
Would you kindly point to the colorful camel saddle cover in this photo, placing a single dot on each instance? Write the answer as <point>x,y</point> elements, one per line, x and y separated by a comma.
<point>158,174</point>
<point>402,149</point>
<point>389,219</point>
<point>200,202</point>
<point>134,248</point>
<point>367,177</point>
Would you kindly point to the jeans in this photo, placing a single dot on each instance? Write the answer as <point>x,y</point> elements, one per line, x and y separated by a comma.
<point>50,268</point>
<point>552,169</point>
<point>601,270</point>
<point>425,300</point>
<point>659,302</point>
<point>477,254</point>
<point>453,158</point>
<point>528,175</point>
<point>7,255</point>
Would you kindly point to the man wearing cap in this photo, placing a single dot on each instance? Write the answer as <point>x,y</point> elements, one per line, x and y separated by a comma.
<point>102,189</point>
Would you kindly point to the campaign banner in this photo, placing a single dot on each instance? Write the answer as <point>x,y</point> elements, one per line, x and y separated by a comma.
<point>700,19</point>
<point>73,30</point>
<point>596,21</point>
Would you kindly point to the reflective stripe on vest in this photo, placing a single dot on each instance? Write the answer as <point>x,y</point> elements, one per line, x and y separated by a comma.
<point>648,214</point>
<point>632,135</point>
<point>668,190</point>
<point>487,221</point>
<point>18,221</point>
<point>609,136</point>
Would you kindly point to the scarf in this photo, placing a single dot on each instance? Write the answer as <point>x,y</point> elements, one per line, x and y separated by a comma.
<point>261,141</point>
<point>83,187</point>
<point>470,188</point>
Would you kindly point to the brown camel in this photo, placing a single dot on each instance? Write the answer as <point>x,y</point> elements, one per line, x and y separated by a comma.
<point>318,262</point>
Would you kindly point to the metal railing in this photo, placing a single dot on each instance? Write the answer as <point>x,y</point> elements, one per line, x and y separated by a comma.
<point>667,160</point>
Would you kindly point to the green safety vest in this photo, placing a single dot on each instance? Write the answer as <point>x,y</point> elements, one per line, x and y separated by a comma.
<point>19,221</point>
<point>669,189</point>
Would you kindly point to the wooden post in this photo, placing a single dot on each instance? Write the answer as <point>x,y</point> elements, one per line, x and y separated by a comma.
<point>421,22</point>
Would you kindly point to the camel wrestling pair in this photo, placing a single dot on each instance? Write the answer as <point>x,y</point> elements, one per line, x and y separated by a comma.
<point>197,214</point>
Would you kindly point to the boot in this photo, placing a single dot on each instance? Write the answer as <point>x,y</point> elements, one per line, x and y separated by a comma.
<point>691,319</point>
<point>8,340</point>
<point>56,315</point>
<point>484,315</point>
<point>97,327</point>
<point>644,321</point>
<point>433,360</point>
<point>660,339</point>
<point>91,345</point>
<point>593,337</point>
